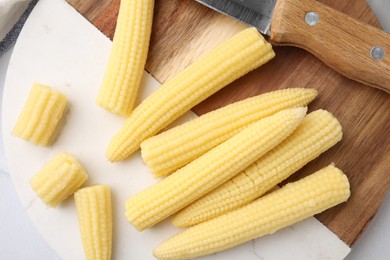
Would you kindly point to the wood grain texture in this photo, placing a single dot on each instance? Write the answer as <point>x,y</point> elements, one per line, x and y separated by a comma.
<point>340,41</point>
<point>184,30</point>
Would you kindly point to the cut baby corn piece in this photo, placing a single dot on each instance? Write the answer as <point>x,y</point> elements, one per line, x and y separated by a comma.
<point>242,53</point>
<point>127,58</point>
<point>58,179</point>
<point>176,147</point>
<point>40,118</point>
<point>281,208</point>
<point>95,220</point>
<point>211,169</point>
<point>318,131</point>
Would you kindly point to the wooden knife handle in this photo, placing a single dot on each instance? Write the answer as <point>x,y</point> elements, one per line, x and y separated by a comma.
<point>343,43</point>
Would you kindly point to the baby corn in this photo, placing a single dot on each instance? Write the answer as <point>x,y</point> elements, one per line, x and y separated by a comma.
<point>58,179</point>
<point>244,52</point>
<point>318,131</point>
<point>95,219</point>
<point>281,208</point>
<point>172,149</point>
<point>41,115</point>
<point>211,169</point>
<point>127,58</point>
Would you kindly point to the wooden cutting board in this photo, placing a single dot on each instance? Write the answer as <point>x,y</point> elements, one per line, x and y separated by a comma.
<point>183,30</point>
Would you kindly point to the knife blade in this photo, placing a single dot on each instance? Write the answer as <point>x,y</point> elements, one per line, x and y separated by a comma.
<point>358,51</point>
<point>251,12</point>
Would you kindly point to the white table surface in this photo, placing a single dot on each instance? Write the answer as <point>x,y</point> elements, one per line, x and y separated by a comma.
<point>20,240</point>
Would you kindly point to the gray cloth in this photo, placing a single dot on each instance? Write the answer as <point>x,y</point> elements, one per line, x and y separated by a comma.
<point>12,35</point>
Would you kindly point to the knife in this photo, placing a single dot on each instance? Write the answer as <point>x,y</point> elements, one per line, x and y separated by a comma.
<point>358,51</point>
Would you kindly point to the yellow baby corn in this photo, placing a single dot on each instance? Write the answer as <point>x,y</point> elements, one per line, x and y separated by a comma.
<point>176,147</point>
<point>286,206</point>
<point>318,131</point>
<point>211,169</point>
<point>127,58</point>
<point>242,53</point>
<point>58,179</point>
<point>95,219</point>
<point>41,115</point>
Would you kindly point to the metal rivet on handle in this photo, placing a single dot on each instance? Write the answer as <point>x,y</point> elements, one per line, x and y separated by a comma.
<point>312,18</point>
<point>377,53</point>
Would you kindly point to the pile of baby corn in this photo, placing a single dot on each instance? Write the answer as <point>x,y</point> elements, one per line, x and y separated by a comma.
<point>220,170</point>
